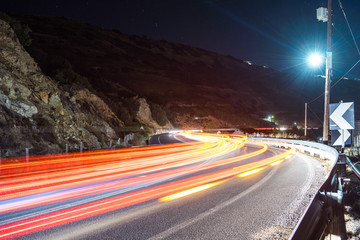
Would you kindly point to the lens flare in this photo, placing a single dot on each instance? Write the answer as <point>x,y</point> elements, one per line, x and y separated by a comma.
<point>315,59</point>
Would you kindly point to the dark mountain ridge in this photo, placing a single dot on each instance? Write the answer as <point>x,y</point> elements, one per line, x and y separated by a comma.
<point>197,88</point>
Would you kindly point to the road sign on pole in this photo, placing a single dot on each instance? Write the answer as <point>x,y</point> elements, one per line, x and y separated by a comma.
<point>341,120</point>
<point>342,116</point>
<point>340,137</point>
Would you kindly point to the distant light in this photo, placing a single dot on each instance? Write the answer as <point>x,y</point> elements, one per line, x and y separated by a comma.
<point>315,59</point>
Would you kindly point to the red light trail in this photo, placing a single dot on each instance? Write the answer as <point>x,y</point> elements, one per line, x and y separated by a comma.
<point>60,189</point>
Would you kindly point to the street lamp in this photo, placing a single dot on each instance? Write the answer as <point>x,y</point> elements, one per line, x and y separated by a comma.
<point>315,60</point>
<point>325,15</point>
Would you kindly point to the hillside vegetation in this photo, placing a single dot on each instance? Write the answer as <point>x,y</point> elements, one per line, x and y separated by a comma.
<point>187,82</point>
<point>46,113</point>
<point>150,84</point>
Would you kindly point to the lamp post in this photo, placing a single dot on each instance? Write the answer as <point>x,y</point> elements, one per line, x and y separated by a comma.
<point>328,75</point>
<point>305,129</point>
<point>324,15</point>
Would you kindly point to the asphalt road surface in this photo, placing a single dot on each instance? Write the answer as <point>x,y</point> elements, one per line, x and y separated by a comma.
<point>235,207</point>
<point>167,138</point>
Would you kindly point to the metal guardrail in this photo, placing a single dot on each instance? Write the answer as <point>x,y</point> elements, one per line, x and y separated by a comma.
<point>312,148</point>
<point>325,214</point>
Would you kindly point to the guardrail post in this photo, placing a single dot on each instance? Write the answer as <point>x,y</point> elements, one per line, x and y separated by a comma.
<point>341,165</point>
<point>81,147</point>
<point>335,213</point>
<point>338,226</point>
<point>66,148</point>
<point>27,155</point>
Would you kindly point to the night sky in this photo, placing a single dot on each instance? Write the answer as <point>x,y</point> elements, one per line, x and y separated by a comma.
<point>276,33</point>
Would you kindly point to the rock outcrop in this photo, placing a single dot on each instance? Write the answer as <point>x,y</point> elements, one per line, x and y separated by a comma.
<point>144,116</point>
<point>38,114</point>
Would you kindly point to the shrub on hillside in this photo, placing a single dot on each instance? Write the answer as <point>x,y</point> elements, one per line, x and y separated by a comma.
<point>133,105</point>
<point>158,114</point>
<point>61,70</point>
<point>7,141</point>
<point>121,112</point>
<point>22,31</point>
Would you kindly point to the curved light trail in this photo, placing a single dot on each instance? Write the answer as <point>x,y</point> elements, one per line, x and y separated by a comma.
<point>48,191</point>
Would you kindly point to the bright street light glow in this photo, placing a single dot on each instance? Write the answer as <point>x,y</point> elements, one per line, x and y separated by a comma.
<point>315,60</point>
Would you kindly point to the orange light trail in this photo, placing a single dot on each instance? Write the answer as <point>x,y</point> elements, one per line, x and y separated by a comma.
<point>186,158</point>
<point>251,172</point>
<point>189,191</point>
<point>276,163</point>
<point>93,183</point>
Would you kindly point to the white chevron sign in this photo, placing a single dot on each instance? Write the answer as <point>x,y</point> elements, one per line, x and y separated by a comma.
<point>342,116</point>
<point>339,140</point>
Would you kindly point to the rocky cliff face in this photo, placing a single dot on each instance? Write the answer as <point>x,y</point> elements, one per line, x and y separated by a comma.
<point>144,115</point>
<point>36,113</point>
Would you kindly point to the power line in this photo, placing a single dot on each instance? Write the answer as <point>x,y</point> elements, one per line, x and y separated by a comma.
<point>347,22</point>
<point>337,81</point>
<point>322,94</point>
<point>315,114</point>
<point>357,48</point>
<point>345,73</point>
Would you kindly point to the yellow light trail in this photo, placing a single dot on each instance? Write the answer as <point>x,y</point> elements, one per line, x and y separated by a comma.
<point>93,174</point>
<point>276,163</point>
<point>189,191</point>
<point>168,172</point>
<point>251,172</point>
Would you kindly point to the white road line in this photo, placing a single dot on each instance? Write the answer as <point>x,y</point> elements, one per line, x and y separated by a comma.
<point>179,139</point>
<point>213,210</point>
<point>286,219</point>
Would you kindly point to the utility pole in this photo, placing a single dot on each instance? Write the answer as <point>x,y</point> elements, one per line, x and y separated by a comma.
<point>305,130</point>
<point>328,75</point>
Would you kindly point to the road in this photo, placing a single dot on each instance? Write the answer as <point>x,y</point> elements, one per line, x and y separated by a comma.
<point>216,188</point>
<point>166,138</point>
